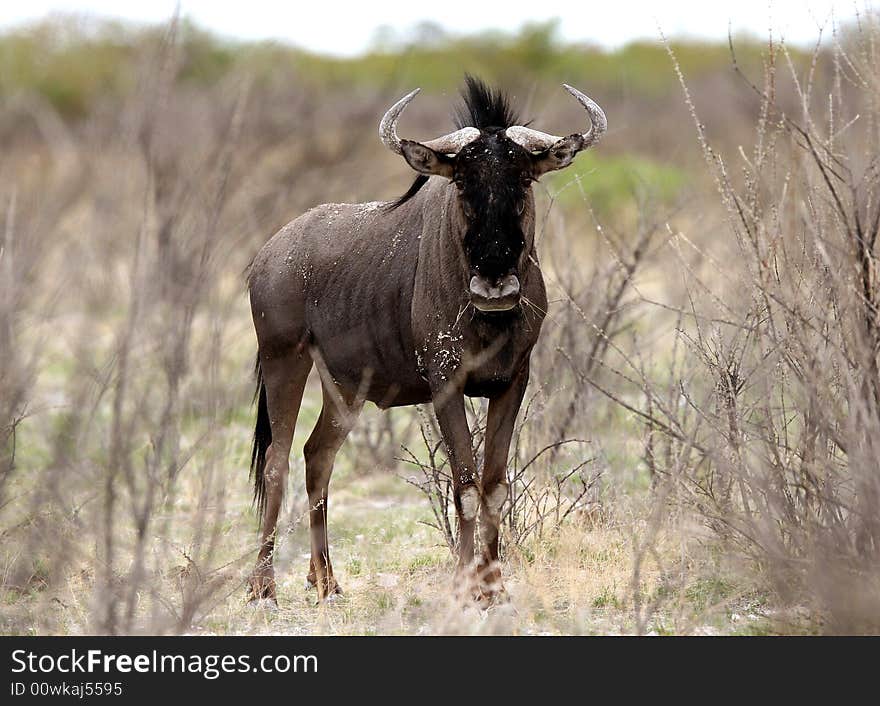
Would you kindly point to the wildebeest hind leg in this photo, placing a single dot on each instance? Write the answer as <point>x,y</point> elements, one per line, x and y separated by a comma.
<point>337,417</point>
<point>284,378</point>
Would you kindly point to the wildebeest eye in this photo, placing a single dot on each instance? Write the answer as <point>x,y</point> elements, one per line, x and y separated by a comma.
<point>520,206</point>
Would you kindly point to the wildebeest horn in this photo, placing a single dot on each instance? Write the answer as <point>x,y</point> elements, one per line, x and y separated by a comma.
<point>537,141</point>
<point>454,141</point>
<point>447,144</point>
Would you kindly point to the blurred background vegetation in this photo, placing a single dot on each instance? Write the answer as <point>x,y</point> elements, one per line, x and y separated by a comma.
<point>76,61</point>
<point>82,67</point>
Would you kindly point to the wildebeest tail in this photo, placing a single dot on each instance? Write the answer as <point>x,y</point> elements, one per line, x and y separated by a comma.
<point>262,440</point>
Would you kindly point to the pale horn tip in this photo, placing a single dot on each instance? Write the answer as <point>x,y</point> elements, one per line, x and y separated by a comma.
<point>598,121</point>
<point>388,124</point>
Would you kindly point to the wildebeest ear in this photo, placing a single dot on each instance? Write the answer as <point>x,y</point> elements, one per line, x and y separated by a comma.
<point>559,156</point>
<point>425,160</point>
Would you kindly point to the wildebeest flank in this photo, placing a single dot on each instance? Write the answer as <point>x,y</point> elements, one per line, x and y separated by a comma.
<point>431,297</point>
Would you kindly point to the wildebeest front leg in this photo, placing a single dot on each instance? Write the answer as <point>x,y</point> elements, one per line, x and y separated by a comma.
<point>449,408</point>
<point>499,430</point>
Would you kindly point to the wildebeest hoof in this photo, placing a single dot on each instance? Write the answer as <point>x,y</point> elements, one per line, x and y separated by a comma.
<point>466,587</point>
<point>265,604</point>
<point>501,608</point>
<point>261,586</point>
<point>330,599</point>
<point>494,597</point>
<point>331,595</point>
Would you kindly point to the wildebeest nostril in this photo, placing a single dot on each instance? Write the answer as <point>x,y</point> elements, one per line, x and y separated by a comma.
<point>479,286</point>
<point>505,287</point>
<point>509,286</point>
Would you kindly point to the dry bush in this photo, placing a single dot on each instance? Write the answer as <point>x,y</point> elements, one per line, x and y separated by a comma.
<point>767,421</point>
<point>540,498</point>
<point>116,444</point>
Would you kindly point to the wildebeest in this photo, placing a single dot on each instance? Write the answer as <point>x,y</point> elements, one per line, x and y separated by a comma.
<point>428,298</point>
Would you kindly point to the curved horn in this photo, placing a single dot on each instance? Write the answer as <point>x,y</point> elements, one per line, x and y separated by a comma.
<point>598,121</point>
<point>447,144</point>
<point>388,123</point>
<point>537,141</point>
<point>454,141</point>
<point>531,140</point>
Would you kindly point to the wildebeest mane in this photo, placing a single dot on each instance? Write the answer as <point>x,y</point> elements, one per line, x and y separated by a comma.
<point>417,184</point>
<point>481,107</point>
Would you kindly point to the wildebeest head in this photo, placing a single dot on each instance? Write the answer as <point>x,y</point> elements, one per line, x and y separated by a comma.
<point>492,161</point>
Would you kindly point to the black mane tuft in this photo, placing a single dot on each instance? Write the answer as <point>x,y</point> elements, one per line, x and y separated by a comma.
<point>484,107</point>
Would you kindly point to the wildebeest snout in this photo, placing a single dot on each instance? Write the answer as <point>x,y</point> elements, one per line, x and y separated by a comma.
<point>498,295</point>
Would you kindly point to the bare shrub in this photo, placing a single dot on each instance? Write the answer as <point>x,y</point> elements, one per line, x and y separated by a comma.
<point>122,492</point>
<point>772,433</point>
<point>539,499</point>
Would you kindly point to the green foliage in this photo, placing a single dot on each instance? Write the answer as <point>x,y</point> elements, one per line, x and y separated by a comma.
<point>74,62</point>
<point>69,66</point>
<point>205,57</point>
<point>611,183</point>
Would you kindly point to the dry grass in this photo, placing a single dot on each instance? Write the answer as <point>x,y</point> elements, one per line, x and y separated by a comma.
<point>397,579</point>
